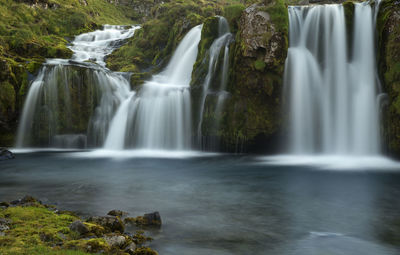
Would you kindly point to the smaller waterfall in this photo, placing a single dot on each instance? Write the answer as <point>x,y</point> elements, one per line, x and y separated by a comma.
<point>158,116</point>
<point>71,102</point>
<point>221,44</point>
<point>332,92</point>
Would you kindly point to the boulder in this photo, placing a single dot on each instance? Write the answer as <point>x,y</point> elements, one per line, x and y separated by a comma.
<point>79,227</point>
<point>130,248</point>
<point>116,241</point>
<point>6,154</point>
<point>118,213</point>
<point>109,223</point>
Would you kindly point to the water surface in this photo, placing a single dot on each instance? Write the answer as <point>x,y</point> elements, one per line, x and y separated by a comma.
<point>222,204</point>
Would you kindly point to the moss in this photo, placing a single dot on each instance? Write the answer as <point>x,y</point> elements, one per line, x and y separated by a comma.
<point>145,251</point>
<point>7,97</point>
<point>33,228</point>
<point>152,46</point>
<point>279,15</point>
<point>389,67</point>
<point>259,65</point>
<point>232,13</point>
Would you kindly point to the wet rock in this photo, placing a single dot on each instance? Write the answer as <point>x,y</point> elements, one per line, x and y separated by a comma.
<point>109,223</point>
<point>6,154</point>
<point>118,213</point>
<point>116,241</point>
<point>130,248</point>
<point>79,227</point>
<point>149,219</point>
<point>25,201</point>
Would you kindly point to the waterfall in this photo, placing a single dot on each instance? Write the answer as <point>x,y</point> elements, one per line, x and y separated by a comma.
<point>71,102</point>
<point>158,116</point>
<point>332,92</point>
<point>222,43</point>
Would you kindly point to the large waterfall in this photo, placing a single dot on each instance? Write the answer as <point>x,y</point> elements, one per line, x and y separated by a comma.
<point>71,102</point>
<point>331,81</point>
<point>159,115</point>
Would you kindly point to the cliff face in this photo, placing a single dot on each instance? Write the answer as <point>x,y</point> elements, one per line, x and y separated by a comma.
<point>389,65</point>
<point>251,115</point>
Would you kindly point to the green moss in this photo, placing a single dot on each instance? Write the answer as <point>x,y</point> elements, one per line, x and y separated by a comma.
<point>232,13</point>
<point>279,15</point>
<point>32,229</point>
<point>389,67</point>
<point>259,65</point>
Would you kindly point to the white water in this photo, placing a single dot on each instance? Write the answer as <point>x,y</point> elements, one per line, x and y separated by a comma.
<point>332,92</point>
<point>221,43</point>
<point>159,115</point>
<point>48,112</point>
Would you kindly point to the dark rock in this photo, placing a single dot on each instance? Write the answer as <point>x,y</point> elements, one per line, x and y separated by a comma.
<point>130,248</point>
<point>25,201</point>
<point>109,223</point>
<point>153,218</point>
<point>117,213</point>
<point>79,227</point>
<point>116,241</point>
<point>6,154</point>
<point>4,204</point>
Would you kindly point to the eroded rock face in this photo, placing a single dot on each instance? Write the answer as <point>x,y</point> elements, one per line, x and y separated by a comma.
<point>389,67</point>
<point>260,36</point>
<point>252,114</point>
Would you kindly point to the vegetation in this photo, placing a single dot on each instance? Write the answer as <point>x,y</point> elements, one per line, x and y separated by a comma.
<point>31,31</point>
<point>40,229</point>
<point>389,65</point>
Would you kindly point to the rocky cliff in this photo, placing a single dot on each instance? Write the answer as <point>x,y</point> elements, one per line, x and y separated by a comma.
<point>389,64</point>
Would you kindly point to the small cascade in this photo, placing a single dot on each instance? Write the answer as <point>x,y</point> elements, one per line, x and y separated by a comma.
<point>219,46</point>
<point>332,93</point>
<point>158,116</point>
<point>71,102</point>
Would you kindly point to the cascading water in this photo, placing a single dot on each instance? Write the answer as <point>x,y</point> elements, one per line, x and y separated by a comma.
<point>71,102</point>
<point>159,115</point>
<point>332,93</point>
<point>223,41</point>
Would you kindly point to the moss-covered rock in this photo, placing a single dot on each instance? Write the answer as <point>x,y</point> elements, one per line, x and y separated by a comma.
<point>253,108</point>
<point>31,31</point>
<point>389,66</point>
<point>150,49</point>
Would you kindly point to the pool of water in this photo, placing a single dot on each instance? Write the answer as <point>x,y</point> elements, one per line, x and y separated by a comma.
<point>223,204</point>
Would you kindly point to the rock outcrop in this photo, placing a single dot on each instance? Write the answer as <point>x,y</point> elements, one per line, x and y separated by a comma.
<point>389,67</point>
<point>252,113</point>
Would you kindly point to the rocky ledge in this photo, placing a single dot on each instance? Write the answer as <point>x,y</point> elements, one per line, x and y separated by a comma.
<point>27,225</point>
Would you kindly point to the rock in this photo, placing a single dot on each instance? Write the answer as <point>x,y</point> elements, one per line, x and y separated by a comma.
<point>131,248</point>
<point>116,241</point>
<point>4,224</point>
<point>2,233</point>
<point>153,218</point>
<point>117,213</point>
<point>6,154</point>
<point>25,201</point>
<point>109,223</point>
<point>4,204</point>
<point>79,227</point>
